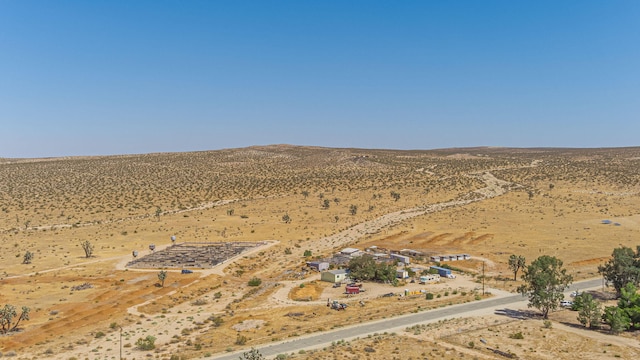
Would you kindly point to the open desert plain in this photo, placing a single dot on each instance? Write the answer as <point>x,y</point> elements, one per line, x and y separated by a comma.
<point>232,232</point>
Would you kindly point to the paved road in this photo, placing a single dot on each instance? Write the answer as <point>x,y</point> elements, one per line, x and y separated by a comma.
<point>362,330</point>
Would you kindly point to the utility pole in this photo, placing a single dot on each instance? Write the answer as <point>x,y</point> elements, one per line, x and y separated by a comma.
<point>483,278</point>
<point>120,342</point>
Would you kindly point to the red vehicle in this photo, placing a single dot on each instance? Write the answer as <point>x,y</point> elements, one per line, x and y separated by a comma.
<point>352,290</point>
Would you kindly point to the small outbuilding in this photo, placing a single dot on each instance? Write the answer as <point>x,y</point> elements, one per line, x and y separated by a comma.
<point>402,274</point>
<point>401,258</point>
<point>350,252</point>
<point>318,265</point>
<point>334,276</point>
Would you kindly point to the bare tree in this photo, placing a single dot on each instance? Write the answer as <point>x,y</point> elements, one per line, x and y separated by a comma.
<point>88,248</point>
<point>28,256</point>
<point>515,264</point>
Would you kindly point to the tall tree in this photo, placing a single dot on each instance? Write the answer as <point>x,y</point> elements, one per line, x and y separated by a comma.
<point>629,302</point>
<point>616,318</point>
<point>515,264</point>
<point>545,281</point>
<point>622,268</point>
<point>589,310</point>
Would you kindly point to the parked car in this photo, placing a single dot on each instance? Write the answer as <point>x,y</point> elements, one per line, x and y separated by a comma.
<point>186,271</point>
<point>576,293</point>
<point>566,303</point>
<point>388,294</point>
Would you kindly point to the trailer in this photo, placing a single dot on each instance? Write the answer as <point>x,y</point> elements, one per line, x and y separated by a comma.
<point>443,272</point>
<point>429,278</point>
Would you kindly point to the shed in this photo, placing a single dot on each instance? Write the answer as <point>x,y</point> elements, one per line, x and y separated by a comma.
<point>318,265</point>
<point>442,271</point>
<point>402,274</point>
<point>350,252</point>
<point>401,258</point>
<point>334,276</point>
<point>410,252</point>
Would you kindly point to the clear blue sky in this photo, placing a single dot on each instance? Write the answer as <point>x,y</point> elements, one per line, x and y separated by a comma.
<point>115,77</point>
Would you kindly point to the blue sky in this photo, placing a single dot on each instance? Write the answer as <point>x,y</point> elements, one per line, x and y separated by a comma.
<point>117,77</point>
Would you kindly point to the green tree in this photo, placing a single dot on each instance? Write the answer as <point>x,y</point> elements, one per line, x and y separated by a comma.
<point>28,257</point>
<point>515,264</point>
<point>88,248</point>
<point>326,203</point>
<point>353,209</point>
<point>589,310</point>
<point>622,268</point>
<point>395,195</point>
<point>158,213</point>
<point>629,302</point>
<point>305,193</point>
<point>307,253</point>
<point>386,272</point>
<point>616,318</point>
<point>146,343</point>
<point>365,268</point>
<point>362,268</point>
<point>252,354</point>
<point>286,218</point>
<point>545,281</point>
<point>255,281</point>
<point>162,276</point>
<point>7,315</point>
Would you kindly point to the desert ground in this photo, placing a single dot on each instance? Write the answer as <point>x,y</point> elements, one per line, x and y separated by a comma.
<point>486,202</point>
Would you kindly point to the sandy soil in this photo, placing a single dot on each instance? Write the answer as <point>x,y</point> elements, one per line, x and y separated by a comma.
<point>490,203</point>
